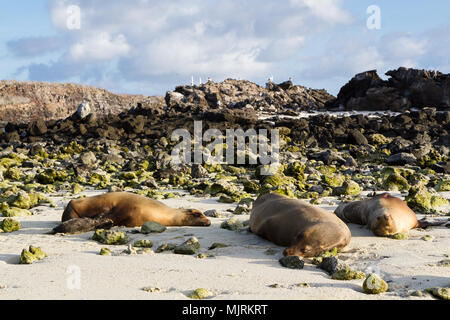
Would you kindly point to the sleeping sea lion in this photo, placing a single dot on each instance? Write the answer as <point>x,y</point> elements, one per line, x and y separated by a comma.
<point>125,209</point>
<point>384,214</point>
<point>306,230</point>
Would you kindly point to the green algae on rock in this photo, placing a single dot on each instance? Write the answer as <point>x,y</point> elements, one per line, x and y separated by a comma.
<point>348,188</point>
<point>15,212</point>
<point>331,253</point>
<point>348,274</point>
<point>31,255</point>
<point>110,237</point>
<point>422,201</point>
<point>105,252</point>
<point>188,247</point>
<point>440,293</point>
<point>200,293</point>
<point>233,224</point>
<point>374,284</point>
<point>143,244</point>
<point>9,225</point>
<point>400,236</point>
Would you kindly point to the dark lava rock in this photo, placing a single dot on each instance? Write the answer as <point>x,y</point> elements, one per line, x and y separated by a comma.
<point>406,88</point>
<point>400,159</point>
<point>357,137</point>
<point>292,262</point>
<point>329,264</point>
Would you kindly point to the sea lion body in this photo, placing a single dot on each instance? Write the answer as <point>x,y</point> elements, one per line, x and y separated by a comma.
<point>383,214</point>
<point>132,210</point>
<point>306,230</point>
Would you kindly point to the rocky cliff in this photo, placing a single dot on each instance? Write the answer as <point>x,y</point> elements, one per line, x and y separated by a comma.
<point>406,88</point>
<point>25,102</point>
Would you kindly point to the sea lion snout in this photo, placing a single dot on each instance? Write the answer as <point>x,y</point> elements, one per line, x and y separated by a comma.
<point>384,225</point>
<point>196,218</point>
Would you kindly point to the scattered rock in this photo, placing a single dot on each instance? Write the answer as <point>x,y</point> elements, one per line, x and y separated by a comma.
<point>105,252</point>
<point>188,247</point>
<point>400,236</point>
<point>110,237</point>
<point>292,262</point>
<point>374,284</point>
<point>31,255</point>
<point>440,293</point>
<point>9,225</point>
<point>200,293</point>
<point>348,274</point>
<point>152,227</point>
<point>143,244</point>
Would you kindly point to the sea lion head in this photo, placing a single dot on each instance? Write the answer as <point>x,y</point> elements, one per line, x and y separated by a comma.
<point>316,240</point>
<point>194,217</point>
<point>384,225</point>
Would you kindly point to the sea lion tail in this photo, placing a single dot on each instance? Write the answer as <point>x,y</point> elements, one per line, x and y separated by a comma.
<point>82,225</point>
<point>423,223</point>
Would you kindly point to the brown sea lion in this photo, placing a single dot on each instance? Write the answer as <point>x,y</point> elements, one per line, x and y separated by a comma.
<point>306,230</point>
<point>384,214</point>
<point>126,209</point>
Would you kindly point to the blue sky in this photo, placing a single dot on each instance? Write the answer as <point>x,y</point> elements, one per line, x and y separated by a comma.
<point>150,46</point>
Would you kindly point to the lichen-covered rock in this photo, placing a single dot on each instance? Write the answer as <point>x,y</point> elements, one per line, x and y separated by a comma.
<point>16,212</point>
<point>292,262</point>
<point>348,188</point>
<point>110,237</point>
<point>233,224</point>
<point>422,201</point>
<point>395,182</point>
<point>427,238</point>
<point>14,173</point>
<point>200,293</point>
<point>400,236</point>
<point>443,186</point>
<point>9,225</point>
<point>334,180</point>
<point>440,293</point>
<point>348,274</point>
<point>374,284</point>
<point>31,255</point>
<point>331,253</point>
<point>143,244</point>
<point>77,188</point>
<point>105,252</point>
<point>26,257</point>
<point>152,227</point>
<point>188,247</point>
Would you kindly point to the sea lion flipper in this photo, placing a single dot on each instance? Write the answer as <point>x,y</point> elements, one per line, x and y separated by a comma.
<point>423,223</point>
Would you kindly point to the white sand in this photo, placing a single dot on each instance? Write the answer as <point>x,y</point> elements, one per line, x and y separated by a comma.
<point>241,271</point>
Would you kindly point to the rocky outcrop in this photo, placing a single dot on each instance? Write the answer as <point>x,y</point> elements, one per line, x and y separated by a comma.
<point>406,88</point>
<point>242,94</point>
<point>25,102</point>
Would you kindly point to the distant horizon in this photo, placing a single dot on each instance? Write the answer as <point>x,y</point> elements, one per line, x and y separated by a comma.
<point>149,47</point>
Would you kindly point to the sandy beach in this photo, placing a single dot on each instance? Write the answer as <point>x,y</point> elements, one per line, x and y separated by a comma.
<point>247,269</point>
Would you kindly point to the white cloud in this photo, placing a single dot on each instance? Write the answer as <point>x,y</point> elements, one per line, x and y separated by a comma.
<point>159,43</point>
<point>99,46</point>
